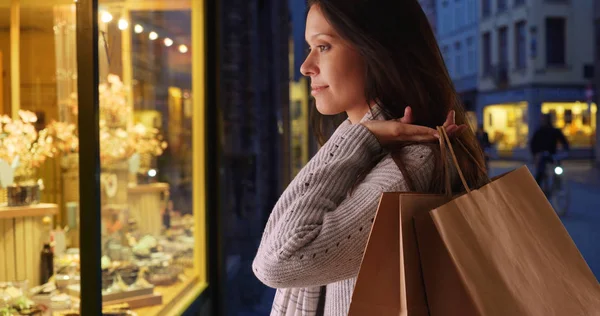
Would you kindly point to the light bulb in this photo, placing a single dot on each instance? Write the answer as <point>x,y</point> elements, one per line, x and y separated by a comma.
<point>183,49</point>
<point>138,29</point>
<point>168,42</point>
<point>153,35</point>
<point>123,24</point>
<point>106,17</point>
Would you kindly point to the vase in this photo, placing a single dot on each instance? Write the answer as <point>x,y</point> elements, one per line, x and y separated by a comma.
<point>114,182</point>
<point>22,195</point>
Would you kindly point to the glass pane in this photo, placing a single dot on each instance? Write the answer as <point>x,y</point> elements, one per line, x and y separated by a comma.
<point>39,182</point>
<point>146,122</point>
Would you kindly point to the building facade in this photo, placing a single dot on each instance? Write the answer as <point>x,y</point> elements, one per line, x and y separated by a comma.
<point>457,33</point>
<point>429,7</point>
<point>535,57</point>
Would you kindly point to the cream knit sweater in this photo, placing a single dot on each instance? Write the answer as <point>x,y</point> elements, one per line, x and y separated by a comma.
<point>317,232</point>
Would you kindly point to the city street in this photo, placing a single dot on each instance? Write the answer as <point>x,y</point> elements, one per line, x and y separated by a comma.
<point>583,219</point>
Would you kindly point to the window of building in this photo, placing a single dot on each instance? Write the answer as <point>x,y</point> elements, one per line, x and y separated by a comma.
<point>519,2</point>
<point>458,59</point>
<point>486,8</point>
<point>501,5</point>
<point>555,41</point>
<point>447,22</point>
<point>487,52</point>
<point>471,57</point>
<point>458,16</point>
<point>520,45</point>
<point>503,45</point>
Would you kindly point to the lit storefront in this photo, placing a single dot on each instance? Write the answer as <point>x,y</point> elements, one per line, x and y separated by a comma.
<point>577,120</point>
<point>506,125</point>
<point>133,240</point>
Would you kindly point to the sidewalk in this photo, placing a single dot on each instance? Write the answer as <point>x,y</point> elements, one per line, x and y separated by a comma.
<point>579,172</point>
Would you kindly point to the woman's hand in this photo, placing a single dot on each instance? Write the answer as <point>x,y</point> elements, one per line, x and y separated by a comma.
<point>402,130</point>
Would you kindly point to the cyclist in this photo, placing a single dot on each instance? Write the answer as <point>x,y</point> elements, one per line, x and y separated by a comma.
<point>543,146</point>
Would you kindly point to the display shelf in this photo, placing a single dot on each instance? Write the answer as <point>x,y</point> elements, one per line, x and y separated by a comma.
<point>23,232</point>
<point>34,210</point>
<point>146,203</point>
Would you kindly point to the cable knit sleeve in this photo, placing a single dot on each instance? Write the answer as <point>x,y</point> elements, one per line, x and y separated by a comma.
<point>316,233</point>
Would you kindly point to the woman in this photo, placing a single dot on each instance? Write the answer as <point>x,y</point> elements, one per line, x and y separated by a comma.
<point>368,60</point>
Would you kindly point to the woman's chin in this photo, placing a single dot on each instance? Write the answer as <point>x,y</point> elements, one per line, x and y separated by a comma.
<point>328,110</point>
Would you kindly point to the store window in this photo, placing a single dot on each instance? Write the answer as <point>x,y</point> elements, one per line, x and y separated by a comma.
<point>39,183</point>
<point>506,125</point>
<point>149,222</point>
<point>577,120</point>
<point>153,256</point>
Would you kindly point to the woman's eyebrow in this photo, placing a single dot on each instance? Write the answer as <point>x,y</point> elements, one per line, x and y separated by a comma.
<point>321,34</point>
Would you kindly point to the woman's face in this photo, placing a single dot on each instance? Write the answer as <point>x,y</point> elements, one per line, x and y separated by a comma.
<point>336,70</point>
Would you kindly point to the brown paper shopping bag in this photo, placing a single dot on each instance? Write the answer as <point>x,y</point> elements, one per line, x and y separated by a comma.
<point>510,251</point>
<point>389,281</point>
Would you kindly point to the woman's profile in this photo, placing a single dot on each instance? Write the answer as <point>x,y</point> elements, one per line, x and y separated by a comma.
<point>377,64</point>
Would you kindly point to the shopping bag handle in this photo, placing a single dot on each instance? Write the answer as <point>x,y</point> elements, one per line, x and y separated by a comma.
<point>445,143</point>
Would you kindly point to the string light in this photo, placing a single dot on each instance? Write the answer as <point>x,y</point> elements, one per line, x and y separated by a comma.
<point>123,24</point>
<point>106,17</point>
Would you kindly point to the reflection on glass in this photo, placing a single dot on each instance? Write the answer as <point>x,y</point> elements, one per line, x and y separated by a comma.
<point>506,125</point>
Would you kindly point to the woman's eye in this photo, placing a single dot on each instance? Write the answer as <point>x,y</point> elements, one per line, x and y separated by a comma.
<point>323,48</point>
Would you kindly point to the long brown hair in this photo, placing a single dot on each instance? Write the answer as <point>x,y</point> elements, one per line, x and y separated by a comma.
<point>404,67</point>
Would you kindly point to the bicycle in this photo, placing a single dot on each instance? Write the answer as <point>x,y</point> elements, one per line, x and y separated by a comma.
<point>555,186</point>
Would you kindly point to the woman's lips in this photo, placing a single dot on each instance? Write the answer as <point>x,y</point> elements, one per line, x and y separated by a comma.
<point>316,89</point>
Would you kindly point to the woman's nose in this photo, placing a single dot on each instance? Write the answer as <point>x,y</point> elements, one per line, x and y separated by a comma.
<point>308,67</point>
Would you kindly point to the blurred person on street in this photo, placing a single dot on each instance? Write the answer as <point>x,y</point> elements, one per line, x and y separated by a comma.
<point>377,67</point>
<point>543,146</point>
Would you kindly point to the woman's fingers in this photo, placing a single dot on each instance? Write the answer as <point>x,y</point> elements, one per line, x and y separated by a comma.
<point>407,118</point>
<point>415,133</point>
<point>450,119</point>
<point>395,131</point>
<point>450,130</point>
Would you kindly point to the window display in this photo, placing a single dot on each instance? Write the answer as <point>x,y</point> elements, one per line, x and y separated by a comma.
<point>151,157</point>
<point>577,120</point>
<point>506,125</point>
